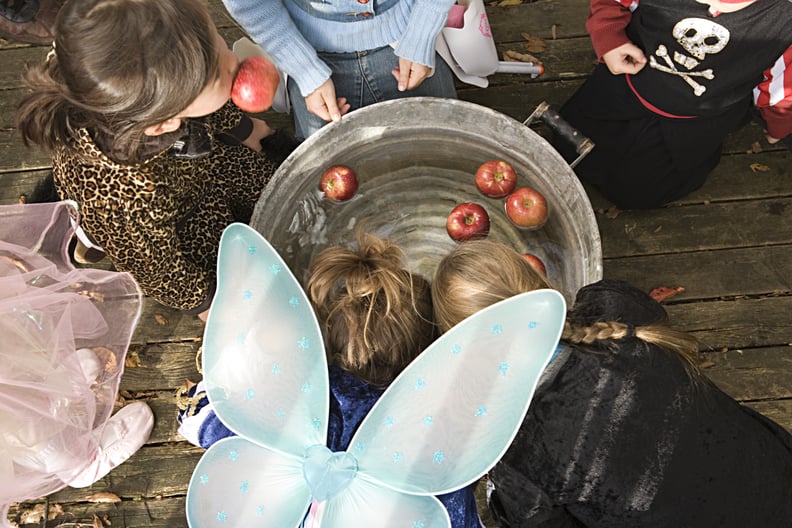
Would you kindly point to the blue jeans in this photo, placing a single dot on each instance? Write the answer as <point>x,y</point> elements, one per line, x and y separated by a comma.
<point>364,78</point>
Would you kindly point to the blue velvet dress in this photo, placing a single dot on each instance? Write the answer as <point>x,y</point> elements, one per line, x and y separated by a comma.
<point>350,401</point>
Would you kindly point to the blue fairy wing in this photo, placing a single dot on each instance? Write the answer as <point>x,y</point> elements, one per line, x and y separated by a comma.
<point>367,503</point>
<point>264,361</point>
<point>453,412</point>
<point>238,483</point>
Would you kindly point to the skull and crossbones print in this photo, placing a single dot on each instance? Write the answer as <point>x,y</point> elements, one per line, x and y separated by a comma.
<point>699,37</point>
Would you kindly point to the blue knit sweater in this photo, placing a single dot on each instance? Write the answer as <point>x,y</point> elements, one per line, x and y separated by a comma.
<point>292,31</point>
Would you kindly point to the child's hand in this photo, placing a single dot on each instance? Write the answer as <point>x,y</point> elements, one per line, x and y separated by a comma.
<point>627,58</point>
<point>323,102</point>
<point>410,74</point>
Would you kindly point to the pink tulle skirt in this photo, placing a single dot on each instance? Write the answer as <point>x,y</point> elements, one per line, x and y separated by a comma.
<point>64,334</point>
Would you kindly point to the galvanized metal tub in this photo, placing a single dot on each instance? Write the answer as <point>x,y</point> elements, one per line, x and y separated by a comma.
<point>416,159</point>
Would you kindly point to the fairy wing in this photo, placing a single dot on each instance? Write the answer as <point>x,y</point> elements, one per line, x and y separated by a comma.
<point>453,412</point>
<point>264,361</point>
<point>266,376</point>
<point>239,483</point>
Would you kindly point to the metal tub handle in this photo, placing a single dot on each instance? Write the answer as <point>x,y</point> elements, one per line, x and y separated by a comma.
<point>567,132</point>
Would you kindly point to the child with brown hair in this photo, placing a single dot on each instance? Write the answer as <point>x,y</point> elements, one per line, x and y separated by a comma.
<point>376,317</point>
<point>133,103</point>
<point>623,430</point>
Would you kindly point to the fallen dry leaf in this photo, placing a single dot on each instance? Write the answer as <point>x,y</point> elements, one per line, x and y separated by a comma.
<point>161,319</point>
<point>35,514</point>
<point>758,167</point>
<point>533,44</point>
<point>706,364</point>
<point>554,31</point>
<point>104,496</point>
<point>506,3</point>
<point>97,522</point>
<point>756,148</point>
<point>662,293</point>
<point>516,56</point>
<point>132,359</point>
<point>107,357</point>
<point>612,212</point>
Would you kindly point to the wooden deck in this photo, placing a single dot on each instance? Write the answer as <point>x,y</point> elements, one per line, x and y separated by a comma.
<point>728,245</point>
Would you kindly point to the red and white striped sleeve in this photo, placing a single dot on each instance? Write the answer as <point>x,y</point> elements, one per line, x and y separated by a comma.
<point>607,23</point>
<point>773,96</point>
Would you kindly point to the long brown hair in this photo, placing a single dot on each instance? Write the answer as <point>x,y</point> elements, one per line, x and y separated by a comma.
<point>118,67</point>
<point>479,273</point>
<point>376,315</point>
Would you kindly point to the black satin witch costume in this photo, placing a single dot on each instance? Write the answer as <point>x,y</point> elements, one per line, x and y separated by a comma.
<point>623,436</point>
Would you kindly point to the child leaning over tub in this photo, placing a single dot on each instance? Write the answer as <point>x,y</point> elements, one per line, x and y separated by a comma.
<point>376,318</point>
<point>623,430</point>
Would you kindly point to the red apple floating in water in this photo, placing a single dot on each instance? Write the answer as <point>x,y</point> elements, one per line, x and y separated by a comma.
<point>495,179</point>
<point>468,221</point>
<point>526,208</point>
<point>339,183</point>
<point>536,263</point>
<point>255,84</point>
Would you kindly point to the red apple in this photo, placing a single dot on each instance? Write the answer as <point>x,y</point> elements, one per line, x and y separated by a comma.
<point>255,84</point>
<point>496,179</point>
<point>339,183</point>
<point>526,208</point>
<point>467,221</point>
<point>536,263</point>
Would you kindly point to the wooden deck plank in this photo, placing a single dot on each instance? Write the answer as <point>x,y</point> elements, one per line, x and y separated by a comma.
<point>739,224</point>
<point>752,374</point>
<point>160,366</point>
<point>708,275</point>
<point>736,324</point>
<point>149,512</point>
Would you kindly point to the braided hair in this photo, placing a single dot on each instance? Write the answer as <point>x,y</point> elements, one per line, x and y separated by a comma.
<point>604,314</point>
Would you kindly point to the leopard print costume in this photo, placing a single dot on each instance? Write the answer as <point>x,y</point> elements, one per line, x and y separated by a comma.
<point>161,219</point>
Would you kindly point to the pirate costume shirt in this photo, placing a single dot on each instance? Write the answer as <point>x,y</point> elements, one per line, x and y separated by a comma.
<point>700,65</point>
<point>659,133</point>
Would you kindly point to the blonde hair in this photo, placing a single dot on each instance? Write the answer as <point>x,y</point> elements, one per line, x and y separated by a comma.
<point>377,316</point>
<point>479,273</point>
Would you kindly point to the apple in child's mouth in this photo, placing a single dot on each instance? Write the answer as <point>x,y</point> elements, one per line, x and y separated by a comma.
<point>339,183</point>
<point>527,208</point>
<point>468,221</point>
<point>255,85</point>
<point>495,179</point>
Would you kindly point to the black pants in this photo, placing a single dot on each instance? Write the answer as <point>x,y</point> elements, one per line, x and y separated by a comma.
<point>640,159</point>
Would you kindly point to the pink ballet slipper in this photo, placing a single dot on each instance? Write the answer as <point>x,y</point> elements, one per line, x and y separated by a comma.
<point>123,434</point>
